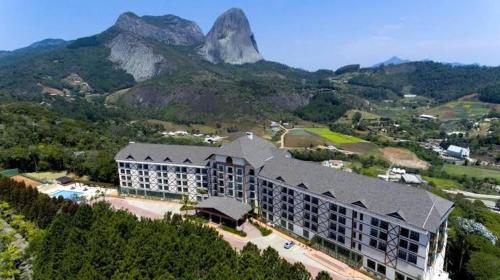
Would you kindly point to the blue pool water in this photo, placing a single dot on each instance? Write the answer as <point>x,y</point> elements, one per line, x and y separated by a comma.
<point>72,195</point>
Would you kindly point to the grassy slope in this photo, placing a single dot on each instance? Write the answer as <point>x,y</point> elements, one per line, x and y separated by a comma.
<point>471,171</point>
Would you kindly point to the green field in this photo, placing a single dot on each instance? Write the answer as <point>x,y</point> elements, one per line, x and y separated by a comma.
<point>442,183</point>
<point>480,173</point>
<point>334,137</point>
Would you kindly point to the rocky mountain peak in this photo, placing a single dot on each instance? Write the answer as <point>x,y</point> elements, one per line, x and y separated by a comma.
<point>231,40</point>
<point>168,29</point>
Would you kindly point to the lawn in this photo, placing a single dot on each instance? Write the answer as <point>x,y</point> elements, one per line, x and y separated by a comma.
<point>442,183</point>
<point>334,137</point>
<point>46,176</point>
<point>470,171</point>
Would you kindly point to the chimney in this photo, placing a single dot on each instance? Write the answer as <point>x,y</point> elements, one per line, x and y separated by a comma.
<point>249,135</point>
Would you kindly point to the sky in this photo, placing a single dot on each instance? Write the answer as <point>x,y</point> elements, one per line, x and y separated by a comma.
<point>301,33</point>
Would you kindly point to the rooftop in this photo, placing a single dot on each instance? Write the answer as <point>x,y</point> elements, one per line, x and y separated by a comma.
<point>412,205</point>
<point>166,154</point>
<point>254,150</point>
<point>226,205</point>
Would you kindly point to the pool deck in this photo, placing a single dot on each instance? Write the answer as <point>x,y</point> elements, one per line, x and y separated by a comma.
<point>88,192</point>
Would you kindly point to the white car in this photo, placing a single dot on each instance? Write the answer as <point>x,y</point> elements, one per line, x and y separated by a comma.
<point>289,244</point>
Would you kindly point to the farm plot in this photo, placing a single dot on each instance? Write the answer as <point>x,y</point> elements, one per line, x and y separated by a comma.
<point>334,137</point>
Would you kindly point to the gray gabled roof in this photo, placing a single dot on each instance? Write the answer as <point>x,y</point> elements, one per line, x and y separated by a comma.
<point>166,154</point>
<point>254,150</point>
<point>226,205</point>
<point>416,206</point>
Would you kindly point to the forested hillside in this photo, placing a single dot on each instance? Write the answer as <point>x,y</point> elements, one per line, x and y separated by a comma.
<point>443,82</point>
<point>84,242</point>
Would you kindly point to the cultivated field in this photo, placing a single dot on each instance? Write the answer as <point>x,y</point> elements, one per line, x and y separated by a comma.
<point>462,109</point>
<point>404,157</point>
<point>334,137</point>
<point>470,171</point>
<point>296,138</point>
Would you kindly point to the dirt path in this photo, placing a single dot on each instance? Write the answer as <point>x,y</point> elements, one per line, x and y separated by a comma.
<point>282,144</point>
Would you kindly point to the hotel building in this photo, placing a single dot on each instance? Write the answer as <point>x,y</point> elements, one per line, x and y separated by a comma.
<point>393,230</point>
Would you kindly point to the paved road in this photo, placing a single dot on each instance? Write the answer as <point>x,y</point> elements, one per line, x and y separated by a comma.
<point>475,195</point>
<point>314,261</point>
<point>488,199</point>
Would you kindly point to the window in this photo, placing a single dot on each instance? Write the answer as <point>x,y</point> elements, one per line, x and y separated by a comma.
<point>333,217</point>
<point>404,232</point>
<point>403,243</point>
<point>332,235</point>
<point>342,210</point>
<point>373,242</point>
<point>381,269</point>
<point>341,239</point>
<point>333,207</point>
<point>384,225</point>
<point>373,232</point>
<point>399,276</point>
<point>375,222</point>
<point>305,233</point>
<point>382,235</point>
<point>402,254</point>
<point>382,246</point>
<point>412,258</point>
<point>414,235</point>
<point>413,247</point>
<point>370,264</point>
<point>341,230</point>
<point>342,220</point>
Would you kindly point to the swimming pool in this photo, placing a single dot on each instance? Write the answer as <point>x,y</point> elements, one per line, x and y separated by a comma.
<point>72,195</point>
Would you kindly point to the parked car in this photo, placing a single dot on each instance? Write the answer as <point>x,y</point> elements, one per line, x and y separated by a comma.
<point>289,244</point>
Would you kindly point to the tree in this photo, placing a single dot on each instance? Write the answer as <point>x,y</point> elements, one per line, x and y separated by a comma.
<point>484,266</point>
<point>323,275</point>
<point>356,118</point>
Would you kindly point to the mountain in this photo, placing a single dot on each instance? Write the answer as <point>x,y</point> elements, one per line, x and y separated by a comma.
<point>165,68</point>
<point>157,62</point>
<point>231,40</point>
<point>45,45</point>
<point>392,61</point>
<point>168,29</point>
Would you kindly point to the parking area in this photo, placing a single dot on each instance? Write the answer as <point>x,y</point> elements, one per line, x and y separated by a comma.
<point>314,261</point>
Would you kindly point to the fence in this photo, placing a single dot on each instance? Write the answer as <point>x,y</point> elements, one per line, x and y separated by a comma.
<point>9,172</point>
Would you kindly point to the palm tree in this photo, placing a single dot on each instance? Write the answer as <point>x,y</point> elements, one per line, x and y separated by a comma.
<point>185,204</point>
